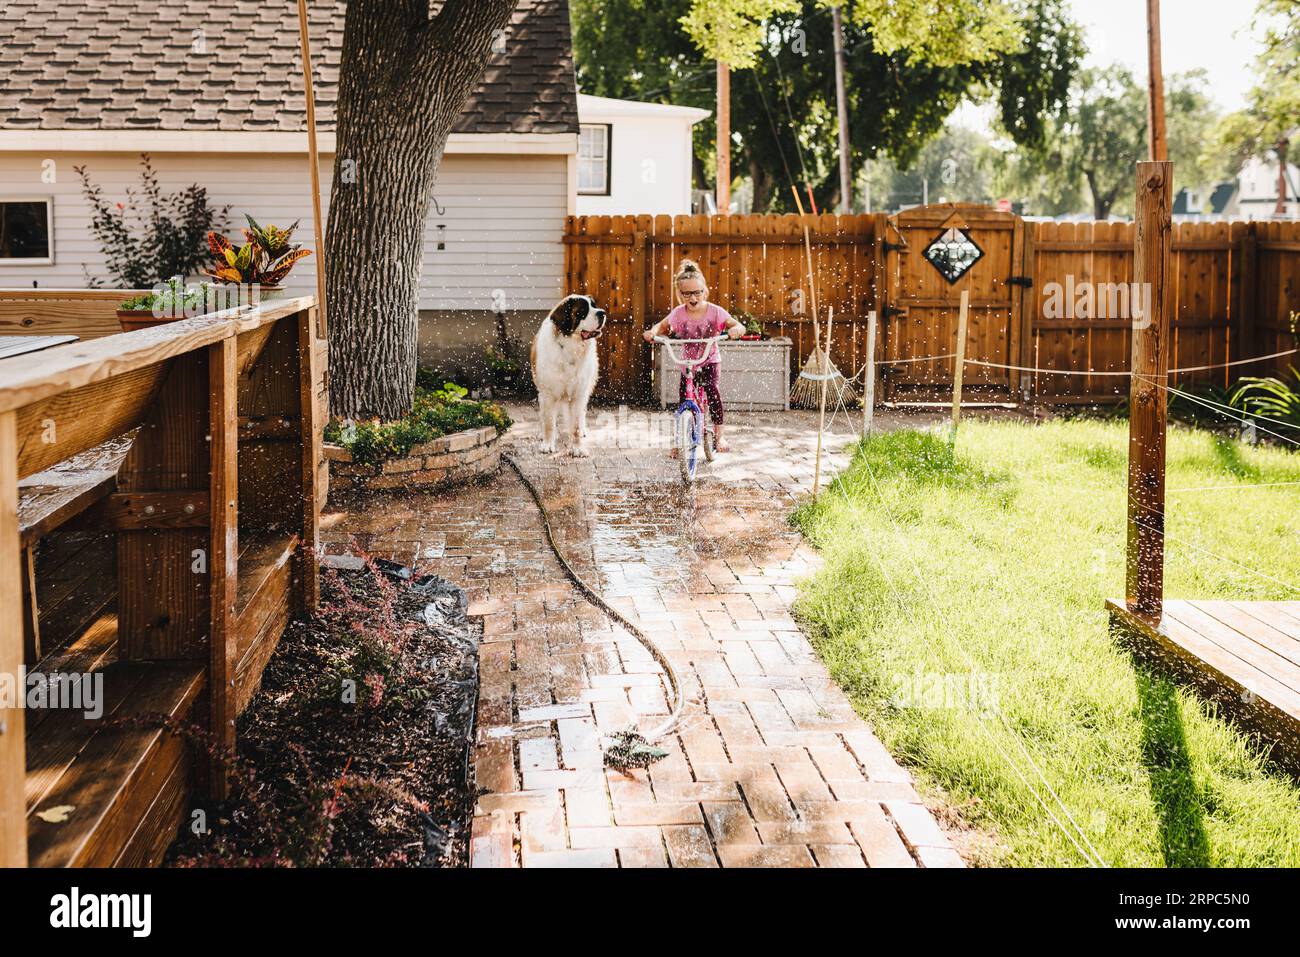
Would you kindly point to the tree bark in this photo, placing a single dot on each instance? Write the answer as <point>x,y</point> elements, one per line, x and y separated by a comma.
<point>403,80</point>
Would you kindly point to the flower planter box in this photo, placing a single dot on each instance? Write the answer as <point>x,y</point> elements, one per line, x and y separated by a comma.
<point>133,319</point>
<point>441,463</point>
<point>755,375</point>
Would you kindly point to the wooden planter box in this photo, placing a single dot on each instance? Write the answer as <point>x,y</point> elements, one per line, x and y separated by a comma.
<point>755,375</point>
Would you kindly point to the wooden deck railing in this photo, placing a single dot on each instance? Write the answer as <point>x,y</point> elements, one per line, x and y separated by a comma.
<point>194,449</point>
<point>85,313</point>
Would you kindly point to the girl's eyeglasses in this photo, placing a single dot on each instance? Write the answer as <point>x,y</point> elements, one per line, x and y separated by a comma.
<point>691,293</point>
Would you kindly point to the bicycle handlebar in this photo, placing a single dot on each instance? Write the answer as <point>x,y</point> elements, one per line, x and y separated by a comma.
<point>690,365</point>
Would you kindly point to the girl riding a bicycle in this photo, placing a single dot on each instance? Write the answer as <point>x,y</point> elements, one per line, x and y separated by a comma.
<point>697,318</point>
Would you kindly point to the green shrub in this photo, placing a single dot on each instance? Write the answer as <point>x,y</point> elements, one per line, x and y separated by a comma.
<point>435,413</point>
<point>1270,397</point>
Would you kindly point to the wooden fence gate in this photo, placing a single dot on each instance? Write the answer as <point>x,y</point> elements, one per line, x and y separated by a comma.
<point>932,256</point>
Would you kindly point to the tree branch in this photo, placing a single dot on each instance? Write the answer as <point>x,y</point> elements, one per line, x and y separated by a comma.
<point>464,29</point>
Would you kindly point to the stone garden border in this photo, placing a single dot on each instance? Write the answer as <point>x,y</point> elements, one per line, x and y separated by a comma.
<point>439,463</point>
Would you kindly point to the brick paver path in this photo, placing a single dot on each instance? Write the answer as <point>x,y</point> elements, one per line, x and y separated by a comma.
<point>770,766</point>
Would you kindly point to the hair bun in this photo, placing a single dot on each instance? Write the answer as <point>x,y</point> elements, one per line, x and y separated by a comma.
<point>686,269</point>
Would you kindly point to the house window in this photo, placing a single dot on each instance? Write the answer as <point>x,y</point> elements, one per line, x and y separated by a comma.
<point>593,159</point>
<point>26,233</point>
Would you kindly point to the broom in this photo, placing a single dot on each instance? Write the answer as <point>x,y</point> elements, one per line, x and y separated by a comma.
<point>807,391</point>
<point>819,369</point>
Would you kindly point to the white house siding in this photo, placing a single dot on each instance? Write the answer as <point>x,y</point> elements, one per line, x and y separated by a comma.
<point>504,217</point>
<point>650,158</point>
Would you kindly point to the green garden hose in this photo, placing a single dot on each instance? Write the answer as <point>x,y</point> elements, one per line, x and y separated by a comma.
<point>628,749</point>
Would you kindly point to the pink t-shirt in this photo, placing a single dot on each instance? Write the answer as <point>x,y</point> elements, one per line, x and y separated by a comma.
<point>713,322</point>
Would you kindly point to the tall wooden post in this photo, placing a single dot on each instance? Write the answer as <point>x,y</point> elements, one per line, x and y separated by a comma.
<point>842,108</point>
<point>959,361</point>
<point>821,418</point>
<point>318,225</point>
<point>223,550</point>
<point>13,748</point>
<point>724,138</point>
<point>1282,191</point>
<point>1159,145</point>
<point>1148,406</point>
<point>869,398</point>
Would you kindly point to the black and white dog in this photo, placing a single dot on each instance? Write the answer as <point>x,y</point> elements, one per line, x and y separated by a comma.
<point>565,369</point>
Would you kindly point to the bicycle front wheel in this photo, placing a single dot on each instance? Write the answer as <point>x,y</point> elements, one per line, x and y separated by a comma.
<point>687,441</point>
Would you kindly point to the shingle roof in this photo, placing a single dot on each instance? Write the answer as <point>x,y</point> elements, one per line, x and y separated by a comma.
<point>233,65</point>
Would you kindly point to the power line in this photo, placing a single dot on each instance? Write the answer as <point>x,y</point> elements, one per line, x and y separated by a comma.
<point>771,122</point>
<point>785,94</point>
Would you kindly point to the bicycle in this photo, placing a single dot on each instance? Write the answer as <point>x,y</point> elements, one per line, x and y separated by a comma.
<point>692,423</point>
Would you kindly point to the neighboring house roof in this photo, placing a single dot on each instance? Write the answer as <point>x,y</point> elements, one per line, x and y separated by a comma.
<point>234,65</point>
<point>604,106</point>
<point>1183,203</point>
<point>1222,196</point>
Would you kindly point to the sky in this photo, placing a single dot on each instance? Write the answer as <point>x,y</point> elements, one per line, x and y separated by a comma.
<point>1213,34</point>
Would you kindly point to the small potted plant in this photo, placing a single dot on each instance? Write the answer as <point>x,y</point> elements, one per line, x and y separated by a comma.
<point>263,260</point>
<point>753,327</point>
<point>166,303</point>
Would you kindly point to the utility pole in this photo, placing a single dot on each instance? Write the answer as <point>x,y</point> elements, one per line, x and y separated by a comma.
<point>842,104</point>
<point>1282,150</point>
<point>724,139</point>
<point>1155,87</point>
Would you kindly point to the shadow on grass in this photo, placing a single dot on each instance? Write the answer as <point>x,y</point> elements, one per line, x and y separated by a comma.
<point>1228,454</point>
<point>1183,842</point>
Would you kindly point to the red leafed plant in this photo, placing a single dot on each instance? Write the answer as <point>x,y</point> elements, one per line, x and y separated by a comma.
<point>264,258</point>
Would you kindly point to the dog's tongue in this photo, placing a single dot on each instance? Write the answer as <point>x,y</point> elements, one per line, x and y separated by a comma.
<point>589,335</point>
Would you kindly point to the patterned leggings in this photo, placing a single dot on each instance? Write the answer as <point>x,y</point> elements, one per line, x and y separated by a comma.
<point>706,381</point>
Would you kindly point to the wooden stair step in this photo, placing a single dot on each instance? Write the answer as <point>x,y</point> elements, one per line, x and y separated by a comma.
<point>120,778</point>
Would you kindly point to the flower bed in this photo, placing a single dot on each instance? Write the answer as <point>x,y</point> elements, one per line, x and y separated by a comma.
<point>447,439</point>
<point>356,750</point>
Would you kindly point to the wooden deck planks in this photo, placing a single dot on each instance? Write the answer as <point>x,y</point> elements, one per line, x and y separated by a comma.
<point>1245,656</point>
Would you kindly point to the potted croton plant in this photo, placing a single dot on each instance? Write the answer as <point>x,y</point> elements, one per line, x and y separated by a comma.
<point>263,260</point>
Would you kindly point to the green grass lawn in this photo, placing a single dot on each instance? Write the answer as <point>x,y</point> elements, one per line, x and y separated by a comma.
<point>961,606</point>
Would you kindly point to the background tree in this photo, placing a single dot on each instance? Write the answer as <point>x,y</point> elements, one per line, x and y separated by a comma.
<point>1272,110</point>
<point>1191,118</point>
<point>1103,134</point>
<point>783,106</point>
<point>1106,134</point>
<point>404,76</point>
<point>958,165</point>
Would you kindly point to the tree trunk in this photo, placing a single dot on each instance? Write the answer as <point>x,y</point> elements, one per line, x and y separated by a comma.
<point>1101,202</point>
<point>403,80</point>
<point>762,181</point>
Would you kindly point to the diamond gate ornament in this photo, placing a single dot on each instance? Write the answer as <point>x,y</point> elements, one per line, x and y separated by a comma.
<point>953,254</point>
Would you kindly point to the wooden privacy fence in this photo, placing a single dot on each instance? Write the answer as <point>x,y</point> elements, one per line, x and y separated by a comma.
<point>160,496</point>
<point>753,264</point>
<point>1238,285</point>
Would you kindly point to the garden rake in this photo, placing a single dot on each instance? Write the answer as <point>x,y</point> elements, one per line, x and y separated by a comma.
<point>819,368</point>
